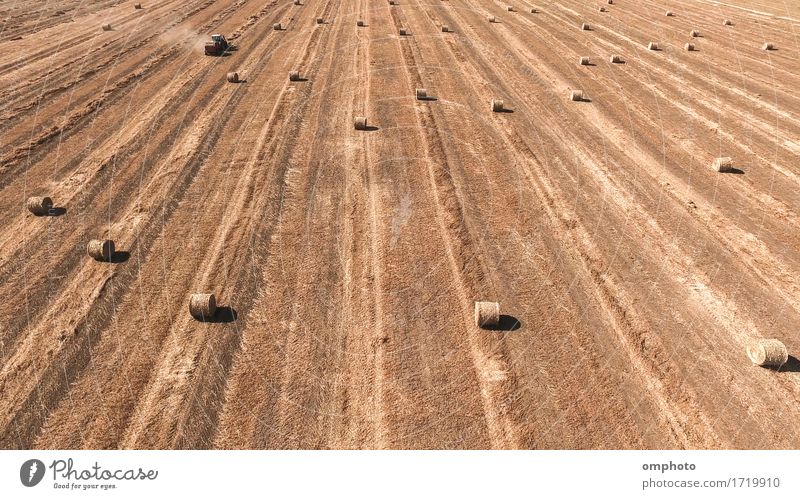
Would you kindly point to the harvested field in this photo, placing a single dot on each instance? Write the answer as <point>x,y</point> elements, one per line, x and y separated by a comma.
<point>346,261</point>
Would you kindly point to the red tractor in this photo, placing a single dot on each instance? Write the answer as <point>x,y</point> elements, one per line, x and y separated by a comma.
<point>217,46</point>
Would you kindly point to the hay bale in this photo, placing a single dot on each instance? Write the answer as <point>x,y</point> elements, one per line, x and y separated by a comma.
<point>233,77</point>
<point>100,250</point>
<point>534,10</point>
<point>669,13</point>
<point>767,353</point>
<point>487,313</point>
<point>510,8</point>
<point>610,2</point>
<point>616,59</point>
<point>723,165</point>
<point>727,22</point>
<point>361,123</point>
<point>497,105</point>
<point>360,23</point>
<point>492,19</point>
<point>391,2</point>
<point>320,20</point>
<point>202,306</point>
<point>403,32</point>
<point>445,29</point>
<point>583,61</point>
<point>576,95</point>
<point>768,46</point>
<point>421,94</point>
<point>689,47</point>
<point>294,75</point>
<point>652,46</point>
<point>602,9</point>
<point>585,27</point>
<point>39,205</point>
<point>106,27</point>
<point>297,2</point>
<point>137,6</point>
<point>694,33</point>
<point>277,26</point>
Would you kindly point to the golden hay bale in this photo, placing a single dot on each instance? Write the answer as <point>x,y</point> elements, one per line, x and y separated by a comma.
<point>297,2</point>
<point>361,123</point>
<point>492,19</point>
<point>652,46</point>
<point>137,6</point>
<point>202,306</point>
<point>106,27</point>
<point>602,9</point>
<point>487,313</point>
<point>497,105</point>
<point>445,29</point>
<point>727,22</point>
<point>669,13</point>
<point>294,75</point>
<point>723,165</point>
<point>510,8</point>
<point>767,353</point>
<point>39,205</point>
<point>689,47</point>
<point>576,95</point>
<point>610,2</point>
<point>360,23</point>
<point>534,10</point>
<point>233,77</point>
<point>768,46</point>
<point>583,61</point>
<point>100,250</point>
<point>391,2</point>
<point>585,27</point>
<point>694,33</point>
<point>616,59</point>
<point>421,94</point>
<point>277,26</point>
<point>403,32</point>
<point>320,20</point>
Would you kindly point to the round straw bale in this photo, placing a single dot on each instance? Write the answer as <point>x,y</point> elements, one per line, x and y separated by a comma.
<point>689,47</point>
<point>768,46</point>
<point>584,61</point>
<point>391,2</point>
<point>297,2</point>
<point>445,29</point>
<point>277,26</point>
<point>727,22</point>
<point>669,13</point>
<point>602,9</point>
<point>585,27</point>
<point>652,46</point>
<point>294,75</point>
<point>492,19</point>
<point>694,33</point>
<point>233,77</point>
<point>767,353</point>
<point>403,32</point>
<point>421,94</point>
<point>100,250</point>
<point>39,205</point>
<point>361,123</point>
<point>610,2</point>
<point>616,59</point>
<point>106,27</point>
<point>202,306</point>
<point>534,10</point>
<point>320,20</point>
<point>359,23</point>
<point>723,165</point>
<point>576,95</point>
<point>497,105</point>
<point>137,6</point>
<point>510,8</point>
<point>487,313</point>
